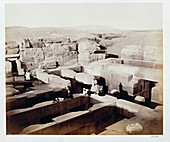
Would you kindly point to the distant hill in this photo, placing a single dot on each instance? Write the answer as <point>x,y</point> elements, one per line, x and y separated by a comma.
<point>96,29</point>
<point>147,38</point>
<point>139,37</point>
<point>18,33</point>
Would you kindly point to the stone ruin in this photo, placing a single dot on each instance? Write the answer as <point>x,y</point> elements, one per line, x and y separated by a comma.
<point>142,53</point>
<point>50,53</point>
<point>138,69</point>
<point>87,54</point>
<point>47,54</point>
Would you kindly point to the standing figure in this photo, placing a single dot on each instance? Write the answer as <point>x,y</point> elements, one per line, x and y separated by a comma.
<point>120,87</point>
<point>94,87</point>
<point>27,75</point>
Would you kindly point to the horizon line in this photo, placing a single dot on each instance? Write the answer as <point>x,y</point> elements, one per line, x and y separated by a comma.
<point>19,26</point>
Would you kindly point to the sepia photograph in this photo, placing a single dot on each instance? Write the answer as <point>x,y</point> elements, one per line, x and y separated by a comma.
<point>84,69</point>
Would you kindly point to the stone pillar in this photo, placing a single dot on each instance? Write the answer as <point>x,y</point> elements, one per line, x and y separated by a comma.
<point>8,67</point>
<point>20,70</point>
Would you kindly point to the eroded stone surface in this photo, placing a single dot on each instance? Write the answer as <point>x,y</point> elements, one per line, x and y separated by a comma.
<point>134,128</point>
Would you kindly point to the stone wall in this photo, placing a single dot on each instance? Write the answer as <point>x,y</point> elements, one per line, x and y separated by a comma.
<point>144,53</point>
<point>46,54</point>
<point>86,51</point>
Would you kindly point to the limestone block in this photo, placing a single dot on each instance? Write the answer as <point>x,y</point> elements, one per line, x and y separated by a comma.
<point>19,69</point>
<point>12,47</point>
<point>27,55</point>
<point>68,73</point>
<point>83,62</point>
<point>96,57</point>
<point>94,70</point>
<point>49,63</point>
<point>119,61</point>
<point>38,54</point>
<point>56,71</point>
<point>150,74</point>
<point>11,91</point>
<point>111,60</point>
<point>135,128</point>
<point>153,54</point>
<point>84,78</point>
<point>60,125</point>
<point>149,53</point>
<point>158,55</point>
<point>48,53</point>
<point>115,93</point>
<point>146,53</point>
<point>87,46</point>
<point>71,62</point>
<point>8,67</point>
<point>19,78</point>
<point>31,65</point>
<point>66,58</point>
<point>157,94</point>
<point>98,111</point>
<point>104,99</point>
<point>56,81</point>
<point>83,56</point>
<point>42,76</point>
<point>148,64</point>
<point>115,75</point>
<point>127,108</point>
<point>131,87</point>
<point>12,50</point>
<point>9,79</point>
<point>139,99</point>
<point>134,52</point>
<point>73,54</point>
<point>138,63</point>
<point>11,44</point>
<point>21,53</point>
<point>20,87</point>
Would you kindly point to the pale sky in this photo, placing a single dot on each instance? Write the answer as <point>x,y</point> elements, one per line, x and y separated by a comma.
<point>122,16</point>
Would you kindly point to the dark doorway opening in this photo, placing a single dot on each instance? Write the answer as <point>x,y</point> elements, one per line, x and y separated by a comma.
<point>14,67</point>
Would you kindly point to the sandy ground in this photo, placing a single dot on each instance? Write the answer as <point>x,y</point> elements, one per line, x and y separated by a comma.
<point>152,123</point>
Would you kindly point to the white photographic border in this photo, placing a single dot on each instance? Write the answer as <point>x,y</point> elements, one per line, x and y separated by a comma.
<point>166,58</point>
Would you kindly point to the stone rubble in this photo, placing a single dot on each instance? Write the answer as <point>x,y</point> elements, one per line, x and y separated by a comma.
<point>134,128</point>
